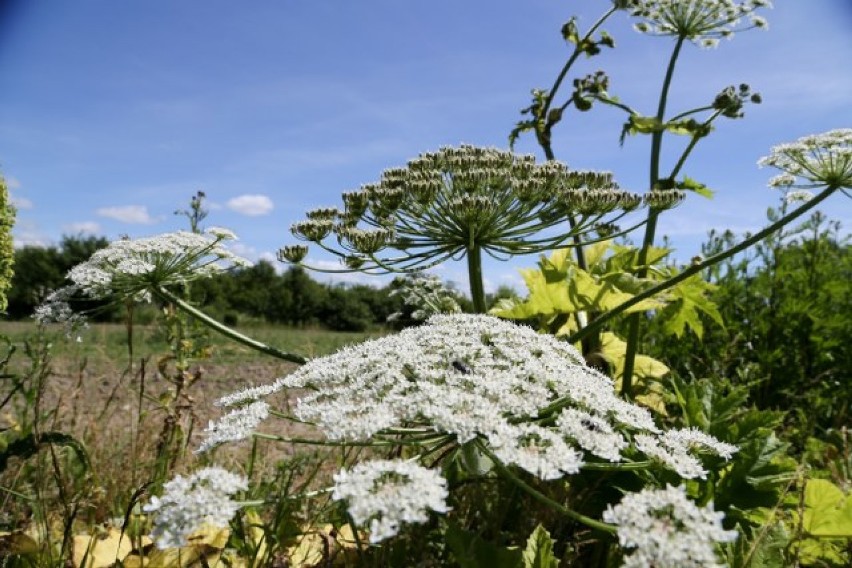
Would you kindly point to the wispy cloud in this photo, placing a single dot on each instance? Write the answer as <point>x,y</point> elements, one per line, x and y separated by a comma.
<point>89,227</point>
<point>251,205</point>
<point>21,202</point>
<point>135,214</point>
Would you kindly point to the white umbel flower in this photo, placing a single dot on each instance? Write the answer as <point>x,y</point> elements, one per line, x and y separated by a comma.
<point>665,529</point>
<point>188,503</point>
<point>703,22</point>
<point>131,267</point>
<point>476,377</point>
<point>237,425</point>
<point>821,159</point>
<point>389,493</point>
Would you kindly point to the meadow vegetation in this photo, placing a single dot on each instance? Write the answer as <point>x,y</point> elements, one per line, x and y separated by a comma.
<point>624,410</point>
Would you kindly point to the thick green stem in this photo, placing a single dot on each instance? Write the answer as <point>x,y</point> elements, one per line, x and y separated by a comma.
<point>698,267</point>
<point>544,499</point>
<point>227,331</point>
<point>474,272</point>
<point>651,226</point>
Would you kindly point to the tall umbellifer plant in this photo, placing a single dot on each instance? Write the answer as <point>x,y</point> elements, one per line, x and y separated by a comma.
<point>7,249</point>
<point>460,203</point>
<point>700,22</point>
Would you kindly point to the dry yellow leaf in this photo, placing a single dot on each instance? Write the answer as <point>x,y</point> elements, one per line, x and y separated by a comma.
<point>100,550</point>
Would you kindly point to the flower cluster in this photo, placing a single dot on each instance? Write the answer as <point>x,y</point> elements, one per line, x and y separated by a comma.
<point>188,503</point>
<point>56,309</point>
<point>700,21</point>
<point>237,425</point>
<point>821,159</point>
<point>444,204</point>
<point>388,493</point>
<point>665,529</point>
<point>130,268</point>
<point>479,377</point>
<point>426,294</point>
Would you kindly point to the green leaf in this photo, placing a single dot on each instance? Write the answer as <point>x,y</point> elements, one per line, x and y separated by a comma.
<point>614,351</point>
<point>828,512</point>
<point>539,550</point>
<point>690,184</point>
<point>689,298</point>
<point>472,551</point>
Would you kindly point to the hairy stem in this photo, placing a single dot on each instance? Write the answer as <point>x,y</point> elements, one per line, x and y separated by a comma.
<point>651,226</point>
<point>474,272</point>
<point>544,499</point>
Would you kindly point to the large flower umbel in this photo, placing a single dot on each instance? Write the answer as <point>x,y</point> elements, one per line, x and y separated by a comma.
<point>130,268</point>
<point>700,21</point>
<point>459,201</point>
<point>462,378</point>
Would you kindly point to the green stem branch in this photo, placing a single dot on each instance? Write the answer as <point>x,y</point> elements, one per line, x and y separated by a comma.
<point>651,226</point>
<point>544,499</point>
<point>474,272</point>
<point>698,267</point>
<point>227,331</point>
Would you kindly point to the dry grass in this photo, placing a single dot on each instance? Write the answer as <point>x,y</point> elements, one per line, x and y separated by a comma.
<point>116,408</point>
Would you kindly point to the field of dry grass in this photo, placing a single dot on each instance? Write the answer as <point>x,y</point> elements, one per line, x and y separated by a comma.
<point>117,408</point>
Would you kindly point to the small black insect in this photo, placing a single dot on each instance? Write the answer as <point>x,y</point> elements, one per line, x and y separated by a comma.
<point>462,367</point>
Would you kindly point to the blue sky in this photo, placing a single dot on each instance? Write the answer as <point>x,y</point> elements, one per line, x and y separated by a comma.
<point>113,114</point>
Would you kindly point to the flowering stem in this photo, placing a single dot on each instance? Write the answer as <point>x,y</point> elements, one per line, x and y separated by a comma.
<point>544,499</point>
<point>474,271</point>
<point>698,267</point>
<point>651,227</point>
<point>227,331</point>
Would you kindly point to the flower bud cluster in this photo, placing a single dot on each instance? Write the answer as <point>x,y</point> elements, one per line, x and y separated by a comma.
<point>660,199</point>
<point>427,294</point>
<point>701,21</point>
<point>822,159</point>
<point>443,203</point>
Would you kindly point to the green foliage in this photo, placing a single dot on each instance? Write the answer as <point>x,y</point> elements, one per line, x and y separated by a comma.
<point>7,249</point>
<point>785,305</point>
<point>470,550</point>
<point>539,550</point>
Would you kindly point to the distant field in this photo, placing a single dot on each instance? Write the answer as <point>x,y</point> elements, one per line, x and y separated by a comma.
<point>105,346</point>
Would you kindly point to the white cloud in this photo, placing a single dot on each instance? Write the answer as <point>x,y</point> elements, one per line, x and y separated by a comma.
<point>251,205</point>
<point>12,183</point>
<point>21,202</point>
<point>82,227</point>
<point>136,214</point>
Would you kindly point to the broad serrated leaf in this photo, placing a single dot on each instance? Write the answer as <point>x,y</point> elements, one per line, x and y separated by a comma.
<point>828,512</point>
<point>539,550</point>
<point>689,299</point>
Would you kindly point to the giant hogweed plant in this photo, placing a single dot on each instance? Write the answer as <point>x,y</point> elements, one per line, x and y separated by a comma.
<point>701,22</point>
<point>470,411</point>
<point>472,420</point>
